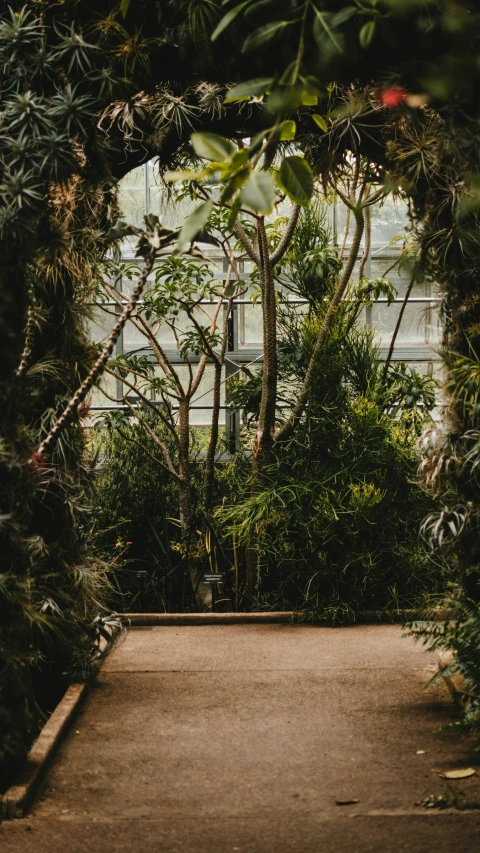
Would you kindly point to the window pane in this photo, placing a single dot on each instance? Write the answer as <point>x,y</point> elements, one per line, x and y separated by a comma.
<point>389,220</point>
<point>384,318</point>
<point>109,383</point>
<point>101,324</point>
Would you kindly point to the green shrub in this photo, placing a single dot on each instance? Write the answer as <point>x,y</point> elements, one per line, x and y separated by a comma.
<point>336,520</point>
<point>136,520</point>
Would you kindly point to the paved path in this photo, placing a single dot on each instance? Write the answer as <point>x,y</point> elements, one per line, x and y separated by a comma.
<point>214,739</point>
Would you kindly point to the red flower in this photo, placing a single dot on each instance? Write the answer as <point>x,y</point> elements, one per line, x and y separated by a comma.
<point>392,97</point>
<point>37,462</point>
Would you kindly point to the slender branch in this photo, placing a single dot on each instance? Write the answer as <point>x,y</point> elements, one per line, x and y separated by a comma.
<point>158,351</point>
<point>203,360</point>
<point>156,440</point>
<point>159,414</point>
<point>246,242</point>
<point>99,366</point>
<point>368,240</point>
<point>145,450</point>
<point>397,325</point>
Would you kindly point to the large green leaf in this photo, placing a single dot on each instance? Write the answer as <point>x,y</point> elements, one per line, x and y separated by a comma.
<point>210,146</point>
<point>194,223</point>
<point>259,193</point>
<point>249,89</point>
<point>366,34</point>
<point>288,130</point>
<point>295,177</point>
<point>264,35</point>
<point>228,18</point>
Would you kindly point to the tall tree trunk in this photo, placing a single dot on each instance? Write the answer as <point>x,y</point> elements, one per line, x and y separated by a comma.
<point>209,471</point>
<point>266,421</point>
<point>202,593</point>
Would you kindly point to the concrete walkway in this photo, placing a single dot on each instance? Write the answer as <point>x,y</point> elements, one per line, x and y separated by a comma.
<point>241,738</point>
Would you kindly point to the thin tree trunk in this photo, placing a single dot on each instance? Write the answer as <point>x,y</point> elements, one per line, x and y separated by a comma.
<point>266,421</point>
<point>209,472</point>
<point>368,241</point>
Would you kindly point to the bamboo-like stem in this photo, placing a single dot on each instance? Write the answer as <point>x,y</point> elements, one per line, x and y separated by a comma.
<point>75,401</point>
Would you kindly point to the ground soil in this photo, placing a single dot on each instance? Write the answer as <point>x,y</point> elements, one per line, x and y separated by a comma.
<point>220,738</point>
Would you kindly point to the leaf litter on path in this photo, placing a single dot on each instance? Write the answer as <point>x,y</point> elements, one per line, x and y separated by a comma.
<point>458,774</point>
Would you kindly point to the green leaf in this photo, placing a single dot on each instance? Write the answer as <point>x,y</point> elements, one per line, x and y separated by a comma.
<point>288,130</point>
<point>259,193</point>
<point>264,5</point>
<point>234,210</point>
<point>264,35</point>
<point>295,177</point>
<point>194,223</point>
<point>227,19</point>
<point>234,184</point>
<point>249,89</point>
<point>172,177</point>
<point>210,146</point>
<point>343,15</point>
<point>124,7</point>
<point>309,99</point>
<point>321,122</point>
<point>366,34</point>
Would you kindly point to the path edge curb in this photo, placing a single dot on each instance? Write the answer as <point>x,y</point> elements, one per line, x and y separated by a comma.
<point>16,800</point>
<point>137,620</point>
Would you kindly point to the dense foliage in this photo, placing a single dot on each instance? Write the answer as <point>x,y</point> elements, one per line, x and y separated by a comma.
<point>136,507</point>
<point>88,89</point>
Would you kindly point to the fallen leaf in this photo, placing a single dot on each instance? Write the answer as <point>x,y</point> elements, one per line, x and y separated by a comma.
<point>346,802</point>
<point>458,774</point>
